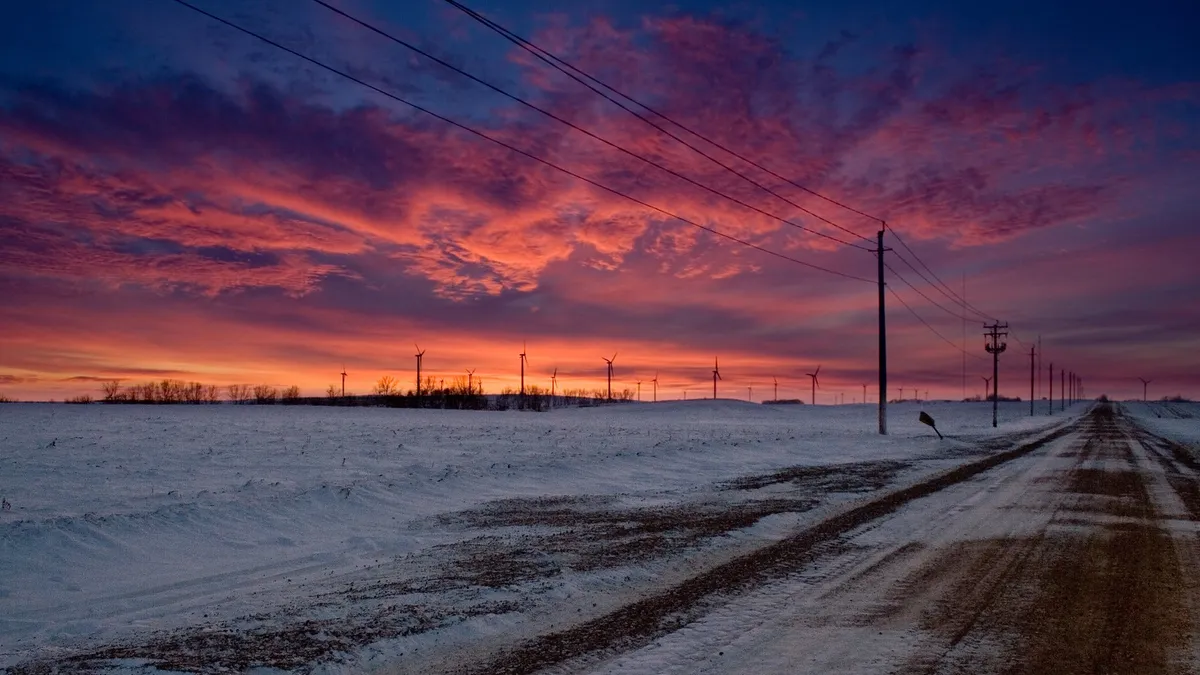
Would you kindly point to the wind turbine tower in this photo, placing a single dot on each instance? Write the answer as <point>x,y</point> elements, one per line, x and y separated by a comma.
<point>553,384</point>
<point>776,387</point>
<point>420,356</point>
<point>343,380</point>
<point>716,376</point>
<point>1145,384</point>
<point>471,382</point>
<point>814,383</point>
<point>524,360</point>
<point>639,385</point>
<point>987,381</point>
<point>610,373</point>
<point>655,383</point>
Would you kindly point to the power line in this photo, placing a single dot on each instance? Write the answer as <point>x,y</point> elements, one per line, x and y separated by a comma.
<point>538,52</point>
<point>951,293</point>
<point>922,294</point>
<point>937,288</point>
<point>548,56</point>
<point>512,148</point>
<point>580,76</point>
<point>931,328</point>
<point>584,131</point>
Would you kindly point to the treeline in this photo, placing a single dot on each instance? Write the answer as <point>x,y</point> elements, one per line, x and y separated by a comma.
<point>461,393</point>
<point>195,393</point>
<point>980,399</point>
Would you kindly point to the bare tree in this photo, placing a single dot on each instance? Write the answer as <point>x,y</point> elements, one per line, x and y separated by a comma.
<point>112,390</point>
<point>212,394</point>
<point>386,386</point>
<point>291,395</point>
<point>265,394</point>
<point>239,393</point>
<point>194,393</point>
<point>333,391</point>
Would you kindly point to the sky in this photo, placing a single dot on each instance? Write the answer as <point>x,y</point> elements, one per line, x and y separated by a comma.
<point>181,200</point>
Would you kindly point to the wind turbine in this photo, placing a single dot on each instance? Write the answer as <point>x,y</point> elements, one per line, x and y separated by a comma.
<point>471,382</point>
<point>553,384</point>
<point>639,384</point>
<point>655,383</point>
<point>987,381</point>
<point>524,360</point>
<point>864,393</point>
<point>776,387</point>
<point>610,373</point>
<point>814,383</point>
<point>716,376</point>
<point>750,394</point>
<point>420,355</point>
<point>343,380</point>
<point>1145,383</point>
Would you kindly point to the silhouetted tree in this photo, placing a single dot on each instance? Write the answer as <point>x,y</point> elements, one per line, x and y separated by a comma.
<point>386,386</point>
<point>239,393</point>
<point>265,394</point>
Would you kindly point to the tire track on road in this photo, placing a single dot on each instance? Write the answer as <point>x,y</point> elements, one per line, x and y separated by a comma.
<point>639,623</point>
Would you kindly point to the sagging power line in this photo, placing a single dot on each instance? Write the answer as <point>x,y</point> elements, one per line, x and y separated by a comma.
<point>588,80</point>
<point>508,146</point>
<point>590,134</point>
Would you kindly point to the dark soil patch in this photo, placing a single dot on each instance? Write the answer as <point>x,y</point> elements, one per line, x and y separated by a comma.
<point>855,477</point>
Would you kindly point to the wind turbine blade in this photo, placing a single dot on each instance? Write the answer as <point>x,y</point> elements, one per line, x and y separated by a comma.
<point>818,370</point>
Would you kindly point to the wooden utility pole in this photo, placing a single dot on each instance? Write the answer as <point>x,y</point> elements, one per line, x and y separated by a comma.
<point>882,342</point>
<point>1032,367</point>
<point>1050,400</point>
<point>996,348</point>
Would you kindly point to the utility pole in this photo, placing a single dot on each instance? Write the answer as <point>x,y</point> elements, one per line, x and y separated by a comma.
<point>882,342</point>
<point>1032,365</point>
<point>1062,390</point>
<point>1050,400</point>
<point>996,348</point>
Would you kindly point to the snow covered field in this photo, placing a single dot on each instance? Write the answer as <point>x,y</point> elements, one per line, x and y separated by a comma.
<point>357,538</point>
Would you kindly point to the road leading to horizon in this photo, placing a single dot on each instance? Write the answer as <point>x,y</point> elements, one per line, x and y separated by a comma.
<point>1076,554</point>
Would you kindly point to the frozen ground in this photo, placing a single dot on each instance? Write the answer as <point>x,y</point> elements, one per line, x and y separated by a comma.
<point>216,538</point>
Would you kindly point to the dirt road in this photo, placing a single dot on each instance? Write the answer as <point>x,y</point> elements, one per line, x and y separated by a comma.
<point>1076,555</point>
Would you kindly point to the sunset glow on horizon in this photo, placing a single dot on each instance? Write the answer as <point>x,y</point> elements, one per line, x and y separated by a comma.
<point>178,200</point>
